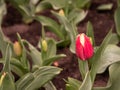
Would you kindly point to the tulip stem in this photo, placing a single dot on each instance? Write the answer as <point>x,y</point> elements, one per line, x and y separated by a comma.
<point>83,67</point>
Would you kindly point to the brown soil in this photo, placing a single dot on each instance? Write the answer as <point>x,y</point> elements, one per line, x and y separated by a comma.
<point>102,22</point>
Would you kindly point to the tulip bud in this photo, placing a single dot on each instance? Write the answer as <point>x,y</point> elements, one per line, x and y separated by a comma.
<point>2,77</point>
<point>61,12</point>
<point>17,48</point>
<point>84,48</point>
<point>44,45</point>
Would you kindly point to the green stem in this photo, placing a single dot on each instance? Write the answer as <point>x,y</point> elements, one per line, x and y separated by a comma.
<point>83,67</point>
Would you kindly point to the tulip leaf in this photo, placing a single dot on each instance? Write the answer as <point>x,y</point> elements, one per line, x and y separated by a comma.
<point>90,32</point>
<point>24,81</point>
<point>114,39</point>
<point>51,25</point>
<point>118,3</point>
<point>114,72</point>
<point>37,79</point>
<point>114,80</point>
<point>34,53</point>
<point>105,6</point>
<point>55,4</point>
<point>76,16</point>
<point>49,86</point>
<point>17,67</point>
<point>70,28</point>
<point>95,64</point>
<point>117,20</point>
<point>51,50</point>
<point>50,55</point>
<point>72,84</point>
<point>26,8</point>
<point>87,83</point>
<point>3,39</point>
<point>109,56</point>
<point>82,3</point>
<point>42,76</point>
<point>23,57</point>
<point>83,67</point>
<point>7,83</point>
<point>2,10</point>
<point>8,55</point>
<point>3,42</point>
<point>50,60</point>
<point>42,6</point>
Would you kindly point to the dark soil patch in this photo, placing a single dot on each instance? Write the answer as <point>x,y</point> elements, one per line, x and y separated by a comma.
<point>102,23</point>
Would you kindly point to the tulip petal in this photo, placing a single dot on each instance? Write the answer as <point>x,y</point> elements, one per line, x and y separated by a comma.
<point>84,48</point>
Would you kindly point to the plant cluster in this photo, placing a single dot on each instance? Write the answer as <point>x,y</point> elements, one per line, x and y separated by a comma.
<point>37,73</point>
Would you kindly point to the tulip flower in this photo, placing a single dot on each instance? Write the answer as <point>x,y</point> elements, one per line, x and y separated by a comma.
<point>61,12</point>
<point>84,48</point>
<point>2,77</point>
<point>44,45</point>
<point>17,48</point>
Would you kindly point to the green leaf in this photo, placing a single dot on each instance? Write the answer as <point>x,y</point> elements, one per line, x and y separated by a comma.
<point>109,56</point>
<point>42,76</point>
<point>50,60</point>
<point>26,8</point>
<point>95,61</point>
<point>56,4</point>
<point>73,84</point>
<point>24,81</point>
<point>8,55</point>
<point>114,80</point>
<point>51,25</point>
<point>3,42</point>
<point>117,20</point>
<point>51,50</point>
<point>3,10</point>
<point>49,86</point>
<point>83,67</point>
<point>7,82</point>
<point>76,16</point>
<point>34,53</point>
<point>114,39</point>
<point>118,3</point>
<point>70,28</point>
<point>42,6</point>
<point>90,32</point>
<point>87,83</point>
<point>105,6</point>
<point>50,55</point>
<point>17,67</point>
<point>3,39</point>
<point>23,57</point>
<point>37,79</point>
<point>83,3</point>
<point>114,72</point>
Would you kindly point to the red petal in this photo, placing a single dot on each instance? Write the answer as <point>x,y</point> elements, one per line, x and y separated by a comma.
<point>84,51</point>
<point>79,49</point>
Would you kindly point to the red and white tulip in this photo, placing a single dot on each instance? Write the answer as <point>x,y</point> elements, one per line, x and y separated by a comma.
<point>84,48</point>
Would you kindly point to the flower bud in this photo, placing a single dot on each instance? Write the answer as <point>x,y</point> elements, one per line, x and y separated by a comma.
<point>44,45</point>
<point>61,12</point>
<point>2,77</point>
<point>84,48</point>
<point>17,48</point>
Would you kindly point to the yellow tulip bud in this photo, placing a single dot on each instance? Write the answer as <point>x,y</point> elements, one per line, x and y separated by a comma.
<point>61,12</point>
<point>44,45</point>
<point>17,48</point>
<point>2,77</point>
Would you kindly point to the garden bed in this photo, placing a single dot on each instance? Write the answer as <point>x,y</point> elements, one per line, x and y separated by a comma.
<point>102,22</point>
